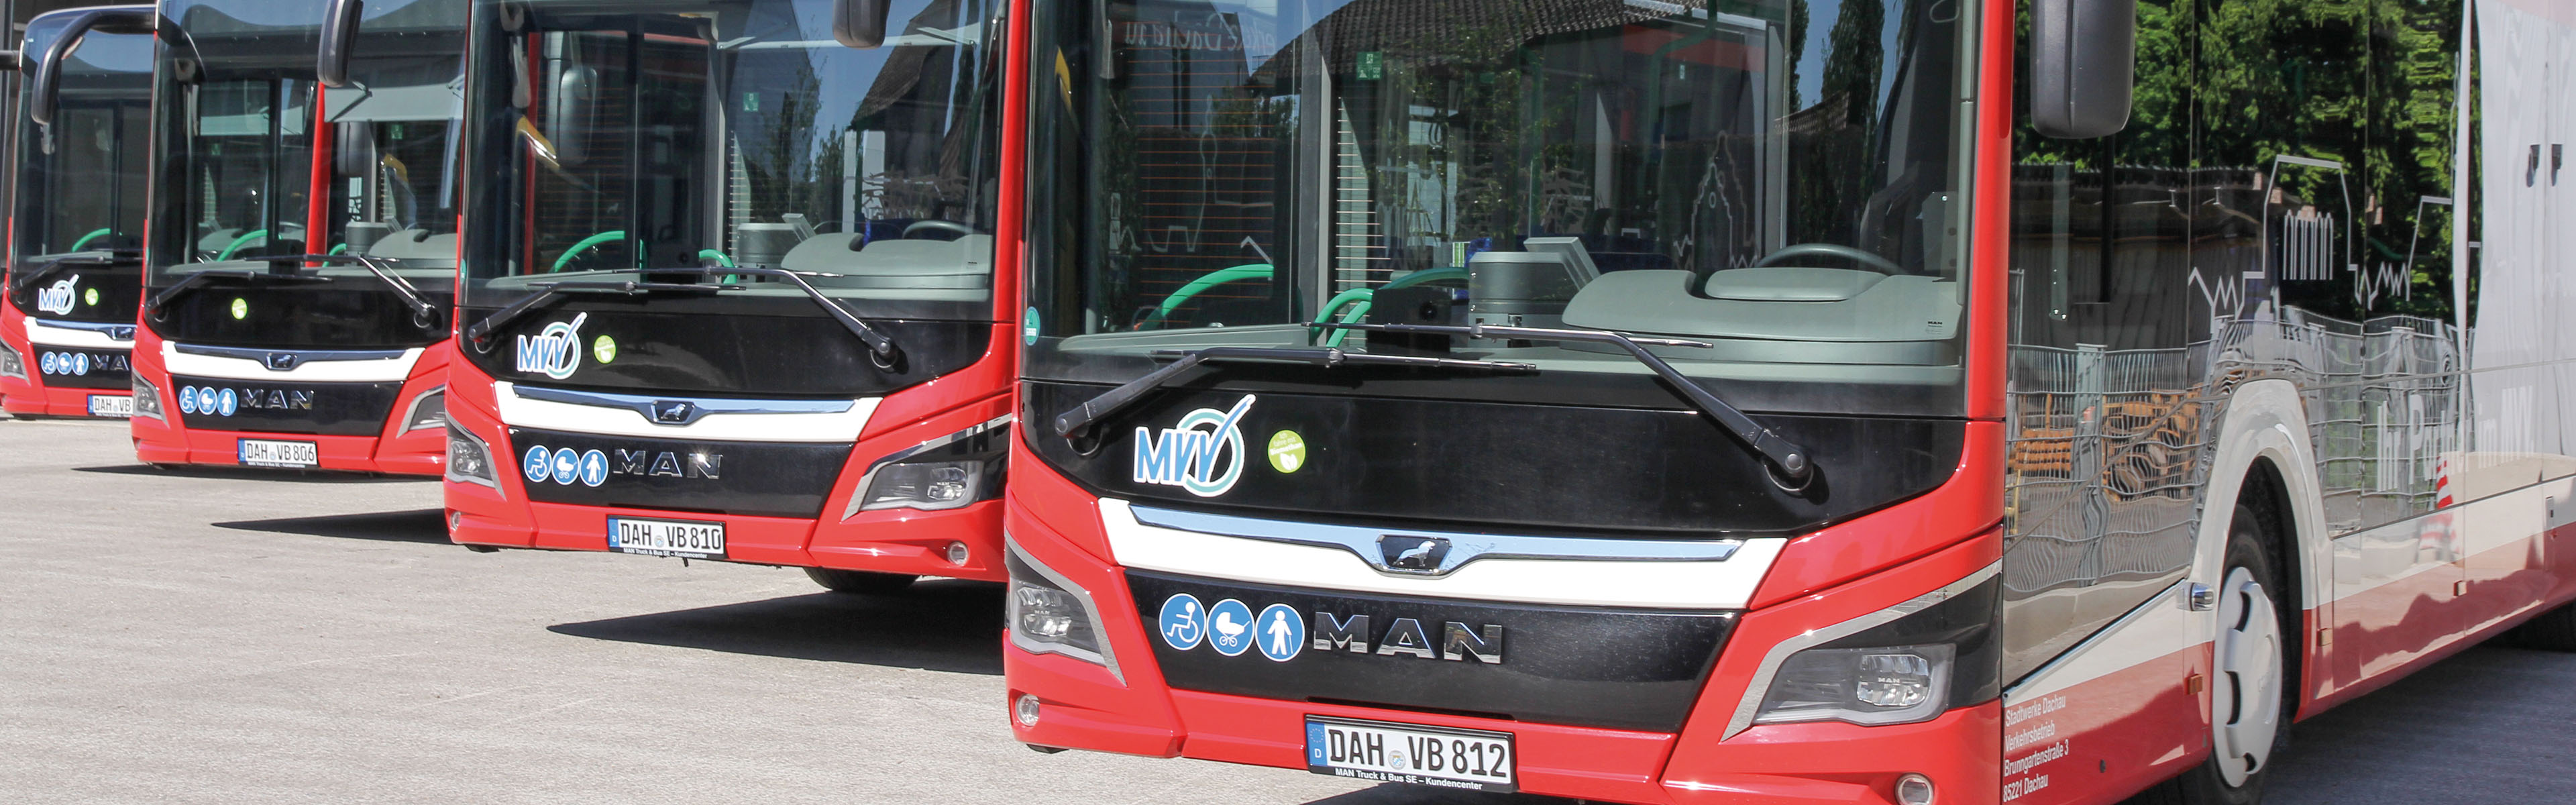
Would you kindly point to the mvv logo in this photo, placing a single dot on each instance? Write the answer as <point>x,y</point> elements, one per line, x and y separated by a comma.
<point>1188,456</point>
<point>552,352</point>
<point>57,298</point>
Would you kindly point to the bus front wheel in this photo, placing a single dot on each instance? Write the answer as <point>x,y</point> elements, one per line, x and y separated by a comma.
<point>2250,685</point>
<point>2554,630</point>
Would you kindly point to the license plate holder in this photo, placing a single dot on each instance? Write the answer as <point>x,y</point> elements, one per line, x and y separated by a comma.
<point>277,453</point>
<point>1412,753</point>
<point>111,405</point>
<point>695,539</point>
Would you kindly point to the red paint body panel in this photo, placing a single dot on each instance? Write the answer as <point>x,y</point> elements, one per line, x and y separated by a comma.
<point>390,451</point>
<point>2108,738</point>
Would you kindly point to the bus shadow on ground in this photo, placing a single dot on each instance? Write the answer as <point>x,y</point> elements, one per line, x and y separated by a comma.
<point>2494,724</point>
<point>419,525</point>
<point>255,474</point>
<point>1400,794</point>
<point>938,625</point>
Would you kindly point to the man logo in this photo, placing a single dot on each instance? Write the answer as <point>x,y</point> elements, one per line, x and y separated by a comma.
<point>281,361</point>
<point>1412,554</point>
<point>58,298</point>
<point>1188,456</point>
<point>553,351</point>
<point>674,412</point>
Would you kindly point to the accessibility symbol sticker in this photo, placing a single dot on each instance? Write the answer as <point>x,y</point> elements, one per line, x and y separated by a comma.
<point>1230,628</point>
<point>1281,632</point>
<point>1184,622</point>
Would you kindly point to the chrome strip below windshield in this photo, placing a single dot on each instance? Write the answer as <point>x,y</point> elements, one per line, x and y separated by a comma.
<point>299,356</point>
<point>113,330</point>
<point>677,411</point>
<point>1463,547</point>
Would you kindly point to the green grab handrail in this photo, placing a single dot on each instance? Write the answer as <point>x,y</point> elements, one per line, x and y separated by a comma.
<point>585,244</point>
<point>93,235</point>
<point>1423,276</point>
<point>1361,298</point>
<point>244,240</point>
<point>1210,280</point>
<point>720,257</point>
<point>1357,312</point>
<point>339,248</point>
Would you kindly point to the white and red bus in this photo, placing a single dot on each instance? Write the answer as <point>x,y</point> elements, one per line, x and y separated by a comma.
<point>302,256</point>
<point>730,287</point>
<point>75,265</point>
<point>1669,401</point>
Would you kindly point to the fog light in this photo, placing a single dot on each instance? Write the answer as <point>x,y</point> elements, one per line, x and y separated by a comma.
<point>957,553</point>
<point>1914,789</point>
<point>1026,712</point>
<point>455,519</point>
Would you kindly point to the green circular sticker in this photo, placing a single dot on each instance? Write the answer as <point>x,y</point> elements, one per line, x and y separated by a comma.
<point>241,308</point>
<point>1029,327</point>
<point>603,348</point>
<point>91,297</point>
<point>1287,451</point>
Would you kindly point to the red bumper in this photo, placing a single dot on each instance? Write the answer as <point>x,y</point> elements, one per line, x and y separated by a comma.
<point>1084,706</point>
<point>905,541</point>
<point>391,450</point>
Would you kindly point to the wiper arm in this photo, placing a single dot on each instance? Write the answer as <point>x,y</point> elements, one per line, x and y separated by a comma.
<point>55,266</point>
<point>422,312</point>
<point>1072,424</point>
<point>523,305</point>
<point>1787,456</point>
<point>882,350</point>
<point>199,279</point>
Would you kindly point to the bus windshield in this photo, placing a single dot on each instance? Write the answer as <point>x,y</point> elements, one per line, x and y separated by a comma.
<point>81,180</point>
<point>246,128</point>
<point>698,134</point>
<point>1778,180</point>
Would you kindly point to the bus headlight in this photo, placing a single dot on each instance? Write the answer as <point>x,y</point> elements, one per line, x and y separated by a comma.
<point>949,472</point>
<point>1901,665</point>
<point>11,365</point>
<point>1046,614</point>
<point>429,410</point>
<point>1870,686</point>
<point>147,399</point>
<point>469,460</point>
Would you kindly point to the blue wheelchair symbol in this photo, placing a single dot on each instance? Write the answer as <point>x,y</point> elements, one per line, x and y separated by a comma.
<point>1184,622</point>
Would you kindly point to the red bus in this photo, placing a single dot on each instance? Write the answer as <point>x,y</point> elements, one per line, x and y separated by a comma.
<point>301,266</point>
<point>729,287</point>
<point>1668,401</point>
<point>75,265</point>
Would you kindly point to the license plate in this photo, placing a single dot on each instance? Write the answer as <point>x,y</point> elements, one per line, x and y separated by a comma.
<point>666,537</point>
<point>1406,753</point>
<point>290,455</point>
<point>111,405</point>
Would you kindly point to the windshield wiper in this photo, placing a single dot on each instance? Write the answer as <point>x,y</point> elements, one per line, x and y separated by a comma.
<point>55,266</point>
<point>1791,460</point>
<point>1073,424</point>
<point>882,351</point>
<point>200,279</point>
<point>422,312</point>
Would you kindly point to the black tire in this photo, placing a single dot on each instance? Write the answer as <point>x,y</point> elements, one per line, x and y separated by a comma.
<point>2554,630</point>
<point>2249,546</point>
<point>859,582</point>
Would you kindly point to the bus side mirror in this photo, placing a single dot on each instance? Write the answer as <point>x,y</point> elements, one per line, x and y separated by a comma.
<point>44,87</point>
<point>859,23</point>
<point>2083,59</point>
<point>339,32</point>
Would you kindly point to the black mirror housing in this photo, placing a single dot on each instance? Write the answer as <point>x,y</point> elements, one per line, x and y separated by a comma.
<point>2083,64</point>
<point>339,34</point>
<point>44,84</point>
<point>859,23</point>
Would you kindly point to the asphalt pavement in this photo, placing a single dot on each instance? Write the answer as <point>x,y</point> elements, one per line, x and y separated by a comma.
<point>234,636</point>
